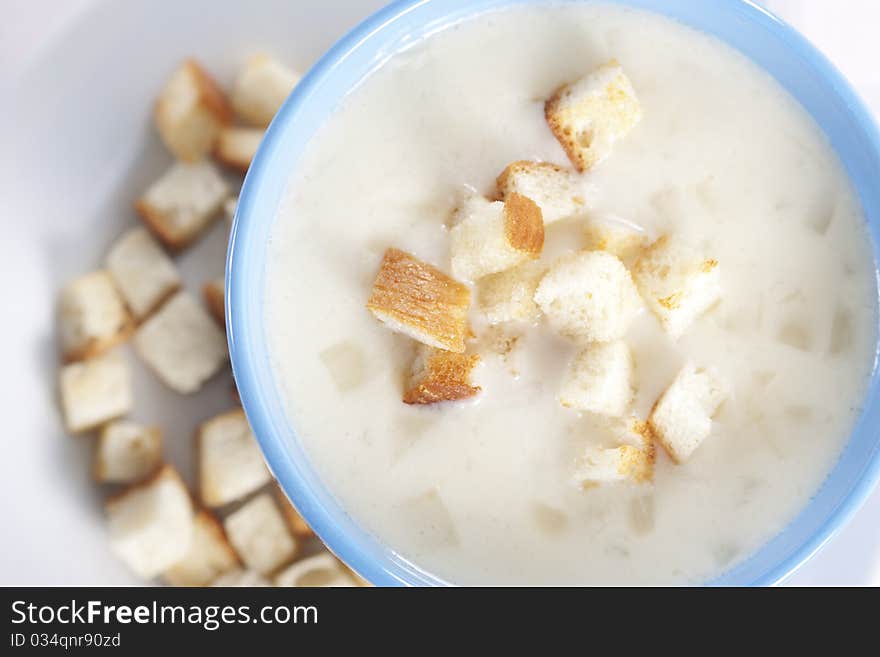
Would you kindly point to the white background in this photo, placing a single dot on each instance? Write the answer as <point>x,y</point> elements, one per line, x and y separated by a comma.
<point>55,198</point>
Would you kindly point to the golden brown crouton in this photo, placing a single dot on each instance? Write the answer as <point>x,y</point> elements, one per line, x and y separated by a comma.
<point>556,190</point>
<point>439,375</point>
<point>213,291</point>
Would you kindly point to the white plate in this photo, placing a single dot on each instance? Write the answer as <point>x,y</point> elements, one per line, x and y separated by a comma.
<point>77,83</point>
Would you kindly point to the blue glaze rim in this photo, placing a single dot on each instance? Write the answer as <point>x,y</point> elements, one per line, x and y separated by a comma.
<point>756,32</point>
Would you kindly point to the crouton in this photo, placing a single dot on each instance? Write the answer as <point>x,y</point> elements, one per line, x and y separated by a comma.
<point>182,344</point>
<point>510,295</point>
<point>259,534</point>
<point>209,555</point>
<point>420,301</point>
<point>589,296</point>
<point>241,578</point>
<point>682,417</point>
<point>261,89</point>
<point>92,317</point>
<point>95,391</point>
<point>127,452</point>
<point>439,375</point>
<point>236,147</point>
<point>295,521</point>
<point>623,463</point>
<point>494,236</point>
<point>230,462</point>
<point>214,292</point>
<point>589,115</point>
<point>599,379</point>
<point>151,524</point>
<point>557,191</point>
<point>614,236</point>
<point>144,274</point>
<point>321,570</point>
<point>190,112</point>
<point>182,203</point>
<point>677,283</point>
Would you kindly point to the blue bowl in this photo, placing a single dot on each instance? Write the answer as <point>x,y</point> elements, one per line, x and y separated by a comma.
<point>773,45</point>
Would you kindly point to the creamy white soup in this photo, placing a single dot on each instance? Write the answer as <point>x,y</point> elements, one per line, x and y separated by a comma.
<point>481,491</point>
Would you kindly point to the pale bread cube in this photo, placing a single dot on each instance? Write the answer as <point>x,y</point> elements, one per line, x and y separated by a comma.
<point>682,417</point>
<point>624,463</point>
<point>420,301</point>
<point>590,115</point>
<point>491,237</point>
<point>127,452</point>
<point>92,317</point>
<point>295,521</point>
<point>589,296</point>
<point>261,89</point>
<point>240,578</point>
<point>209,555</point>
<point>190,112</point>
<point>559,192</point>
<point>183,202</point>
<point>260,536</point>
<point>143,272</point>
<point>182,344</point>
<point>236,146</point>
<point>437,375</point>
<point>230,462</point>
<point>95,391</point>
<point>321,570</point>
<point>214,293</point>
<point>615,236</point>
<point>599,379</point>
<point>510,295</point>
<point>677,283</point>
<point>151,524</point>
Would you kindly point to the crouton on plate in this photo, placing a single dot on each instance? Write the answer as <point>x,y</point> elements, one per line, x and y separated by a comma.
<point>589,115</point>
<point>320,570</point>
<point>494,236</point>
<point>589,296</point>
<point>241,578</point>
<point>127,452</point>
<point>599,379</point>
<point>261,88</point>
<point>182,344</point>
<point>92,316</point>
<point>151,524</point>
<point>95,391</point>
<point>295,521</point>
<point>678,283</point>
<point>557,191</point>
<point>190,112</point>
<point>682,417</point>
<point>439,375</point>
<point>214,294</point>
<point>613,235</point>
<point>510,295</point>
<point>143,272</point>
<point>183,202</point>
<point>236,146</point>
<point>209,555</point>
<point>418,300</point>
<point>230,463</point>
<point>260,536</point>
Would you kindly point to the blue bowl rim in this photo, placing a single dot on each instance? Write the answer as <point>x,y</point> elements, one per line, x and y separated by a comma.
<point>327,526</point>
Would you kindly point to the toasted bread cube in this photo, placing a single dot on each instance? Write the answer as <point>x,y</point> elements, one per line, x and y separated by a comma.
<point>589,296</point>
<point>259,534</point>
<point>321,570</point>
<point>599,379</point>
<point>261,89</point>
<point>491,237</point>
<point>93,317</point>
<point>623,463</point>
<point>190,112</point>
<point>214,293</point>
<point>682,417</point>
<point>589,115</point>
<point>209,555</point>
<point>144,274</point>
<point>240,578</point>
<point>418,300</point>
<point>127,452</point>
<point>95,391</point>
<point>439,375</point>
<point>677,283</point>
<point>231,464</point>
<point>181,204</point>
<point>613,236</point>
<point>236,147</point>
<point>557,191</point>
<point>295,521</point>
<point>510,295</point>
<point>182,344</point>
<point>151,524</point>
